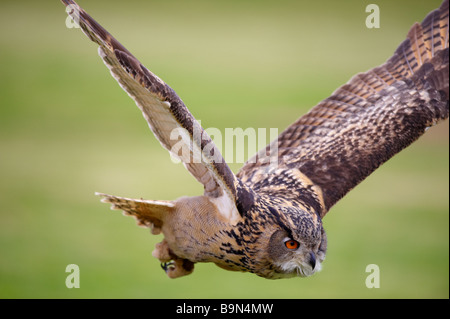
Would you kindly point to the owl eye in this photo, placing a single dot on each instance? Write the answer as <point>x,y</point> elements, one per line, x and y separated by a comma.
<point>291,244</point>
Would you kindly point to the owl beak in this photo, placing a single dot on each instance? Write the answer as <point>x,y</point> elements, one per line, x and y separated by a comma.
<point>312,260</point>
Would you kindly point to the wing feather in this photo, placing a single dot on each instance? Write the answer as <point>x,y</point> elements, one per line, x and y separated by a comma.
<point>344,138</point>
<point>169,119</point>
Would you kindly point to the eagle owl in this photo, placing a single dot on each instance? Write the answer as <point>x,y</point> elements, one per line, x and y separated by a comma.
<point>267,218</point>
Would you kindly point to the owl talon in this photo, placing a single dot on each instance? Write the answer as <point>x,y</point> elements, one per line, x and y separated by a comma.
<point>177,268</point>
<point>167,266</point>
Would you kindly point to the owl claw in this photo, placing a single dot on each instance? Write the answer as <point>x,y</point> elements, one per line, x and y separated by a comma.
<point>166,266</point>
<point>172,265</point>
<point>177,268</point>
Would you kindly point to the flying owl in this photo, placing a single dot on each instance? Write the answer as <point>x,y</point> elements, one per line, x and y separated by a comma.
<point>267,218</point>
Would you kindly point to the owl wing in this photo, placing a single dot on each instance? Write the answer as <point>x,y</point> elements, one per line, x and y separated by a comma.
<point>344,138</point>
<point>167,116</point>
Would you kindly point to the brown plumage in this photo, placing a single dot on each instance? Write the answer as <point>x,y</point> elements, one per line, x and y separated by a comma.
<point>267,219</point>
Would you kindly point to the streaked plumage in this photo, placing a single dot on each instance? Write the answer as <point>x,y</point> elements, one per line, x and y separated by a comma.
<point>267,219</point>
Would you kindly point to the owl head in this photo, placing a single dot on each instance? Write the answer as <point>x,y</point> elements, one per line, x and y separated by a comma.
<point>294,246</point>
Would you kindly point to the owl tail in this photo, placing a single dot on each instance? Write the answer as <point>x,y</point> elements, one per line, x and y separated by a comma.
<point>148,213</point>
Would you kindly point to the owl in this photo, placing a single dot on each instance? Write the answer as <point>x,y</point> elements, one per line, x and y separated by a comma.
<point>267,218</point>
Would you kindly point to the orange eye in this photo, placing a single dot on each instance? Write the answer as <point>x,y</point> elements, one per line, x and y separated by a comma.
<point>291,244</point>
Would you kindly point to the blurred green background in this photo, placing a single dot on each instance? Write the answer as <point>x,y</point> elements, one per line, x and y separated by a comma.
<point>68,130</point>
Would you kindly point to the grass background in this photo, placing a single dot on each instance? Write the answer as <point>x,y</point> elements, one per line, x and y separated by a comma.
<point>67,130</point>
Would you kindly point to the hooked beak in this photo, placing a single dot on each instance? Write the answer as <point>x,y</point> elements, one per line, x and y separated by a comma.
<point>312,260</point>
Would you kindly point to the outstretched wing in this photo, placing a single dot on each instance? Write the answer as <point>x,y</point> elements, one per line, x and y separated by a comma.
<point>362,124</point>
<point>168,117</point>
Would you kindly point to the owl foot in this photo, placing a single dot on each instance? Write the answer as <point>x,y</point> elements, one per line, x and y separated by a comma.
<point>178,267</point>
<point>166,266</point>
<point>173,266</point>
